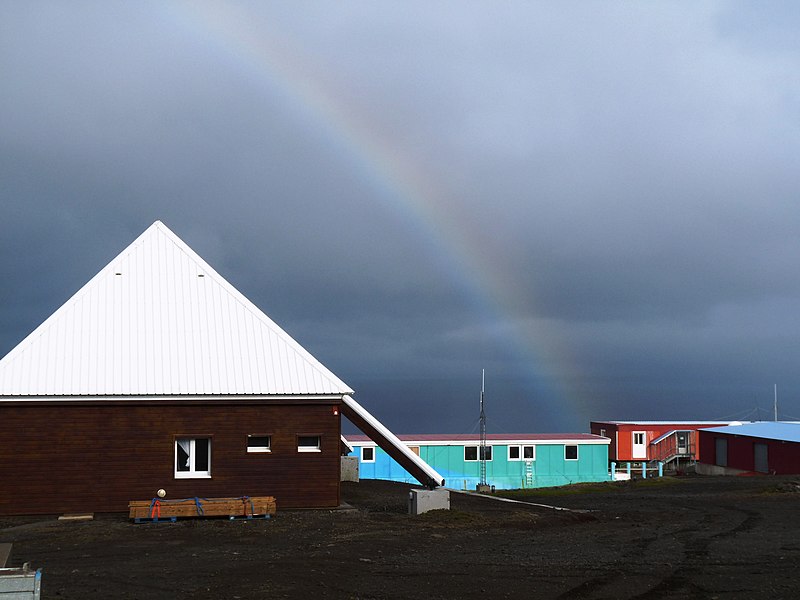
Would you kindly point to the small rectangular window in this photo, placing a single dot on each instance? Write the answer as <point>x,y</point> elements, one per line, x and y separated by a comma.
<point>259,443</point>
<point>486,452</point>
<point>638,438</point>
<point>367,454</point>
<point>309,443</point>
<point>570,453</point>
<point>529,452</point>
<point>470,453</point>
<point>192,458</point>
<point>514,453</point>
<point>603,433</point>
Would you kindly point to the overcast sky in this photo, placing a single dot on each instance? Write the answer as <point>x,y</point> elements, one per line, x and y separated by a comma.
<point>595,202</point>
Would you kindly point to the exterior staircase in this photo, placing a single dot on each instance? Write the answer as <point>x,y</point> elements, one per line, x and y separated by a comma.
<point>673,446</point>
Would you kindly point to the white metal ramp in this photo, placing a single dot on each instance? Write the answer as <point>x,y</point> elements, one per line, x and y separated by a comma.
<point>390,444</point>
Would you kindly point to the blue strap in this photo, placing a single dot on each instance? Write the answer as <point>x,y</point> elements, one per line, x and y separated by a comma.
<point>252,506</point>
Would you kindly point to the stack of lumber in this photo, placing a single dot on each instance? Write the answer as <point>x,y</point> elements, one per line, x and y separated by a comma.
<point>245,506</point>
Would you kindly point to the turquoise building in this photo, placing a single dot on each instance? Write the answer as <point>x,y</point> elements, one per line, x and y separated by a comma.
<point>513,461</point>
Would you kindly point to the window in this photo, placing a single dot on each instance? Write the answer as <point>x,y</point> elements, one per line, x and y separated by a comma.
<point>192,457</point>
<point>471,453</point>
<point>259,443</point>
<point>521,453</point>
<point>570,453</point>
<point>367,454</point>
<point>603,433</point>
<point>486,453</point>
<point>638,438</point>
<point>309,443</point>
<point>414,449</point>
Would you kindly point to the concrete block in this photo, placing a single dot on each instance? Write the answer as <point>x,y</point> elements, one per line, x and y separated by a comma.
<point>420,501</point>
<point>5,554</point>
<point>349,470</point>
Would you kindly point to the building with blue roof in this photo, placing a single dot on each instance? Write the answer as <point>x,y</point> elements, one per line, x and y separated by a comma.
<point>768,447</point>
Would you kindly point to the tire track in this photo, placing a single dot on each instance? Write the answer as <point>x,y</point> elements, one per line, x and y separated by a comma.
<point>682,549</point>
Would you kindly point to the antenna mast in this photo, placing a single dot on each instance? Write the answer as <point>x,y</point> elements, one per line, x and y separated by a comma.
<point>776,402</point>
<point>482,449</point>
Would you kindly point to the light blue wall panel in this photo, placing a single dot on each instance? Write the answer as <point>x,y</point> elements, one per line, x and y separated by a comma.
<point>550,468</point>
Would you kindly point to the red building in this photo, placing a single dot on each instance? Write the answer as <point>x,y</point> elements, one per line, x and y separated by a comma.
<point>644,441</point>
<point>766,447</point>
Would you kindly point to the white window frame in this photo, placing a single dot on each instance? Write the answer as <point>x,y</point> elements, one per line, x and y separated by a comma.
<point>519,453</point>
<point>533,452</point>
<point>368,460</point>
<point>308,448</point>
<point>489,449</point>
<point>192,473</point>
<point>267,448</point>
<point>577,451</point>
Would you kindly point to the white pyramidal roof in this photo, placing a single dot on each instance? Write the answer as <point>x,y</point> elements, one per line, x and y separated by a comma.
<point>158,320</point>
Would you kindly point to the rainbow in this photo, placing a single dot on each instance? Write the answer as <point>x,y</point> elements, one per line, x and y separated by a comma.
<point>271,60</point>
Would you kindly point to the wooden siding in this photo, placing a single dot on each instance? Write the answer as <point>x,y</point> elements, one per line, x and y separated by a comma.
<point>96,458</point>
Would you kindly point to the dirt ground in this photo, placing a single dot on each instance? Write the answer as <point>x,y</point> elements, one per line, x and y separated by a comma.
<point>682,537</point>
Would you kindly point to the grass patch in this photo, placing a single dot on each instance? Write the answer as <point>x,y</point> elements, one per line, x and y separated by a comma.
<point>656,482</point>
<point>564,490</point>
<point>600,487</point>
<point>785,487</point>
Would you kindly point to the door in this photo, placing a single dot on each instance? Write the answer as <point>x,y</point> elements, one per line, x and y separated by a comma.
<point>639,447</point>
<point>761,458</point>
<point>683,442</point>
<point>721,448</point>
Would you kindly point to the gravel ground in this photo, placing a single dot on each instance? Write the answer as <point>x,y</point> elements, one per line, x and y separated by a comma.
<point>687,537</point>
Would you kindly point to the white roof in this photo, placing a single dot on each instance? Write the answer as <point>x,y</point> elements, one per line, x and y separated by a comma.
<point>158,320</point>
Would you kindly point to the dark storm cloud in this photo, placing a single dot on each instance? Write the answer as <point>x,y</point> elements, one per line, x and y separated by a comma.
<point>604,210</point>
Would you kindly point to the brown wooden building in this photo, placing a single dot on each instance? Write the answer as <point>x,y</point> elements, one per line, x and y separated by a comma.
<point>158,374</point>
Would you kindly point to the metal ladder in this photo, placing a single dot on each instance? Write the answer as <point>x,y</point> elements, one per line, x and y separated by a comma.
<point>528,473</point>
